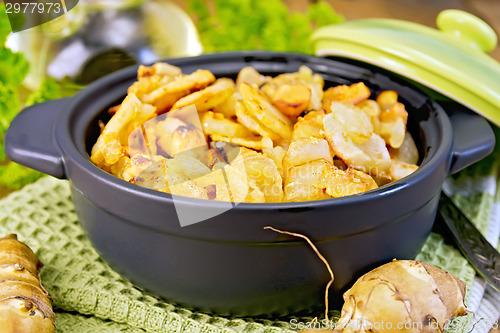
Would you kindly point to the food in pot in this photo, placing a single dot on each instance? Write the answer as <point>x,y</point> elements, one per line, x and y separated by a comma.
<point>24,303</point>
<point>259,139</point>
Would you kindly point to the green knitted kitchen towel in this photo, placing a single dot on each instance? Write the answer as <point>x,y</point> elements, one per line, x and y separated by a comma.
<point>90,297</point>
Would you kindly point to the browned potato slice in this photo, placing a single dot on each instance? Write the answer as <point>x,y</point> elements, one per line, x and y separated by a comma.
<point>304,182</point>
<point>392,119</point>
<point>304,192</point>
<point>142,140</point>
<point>182,174</point>
<point>225,184</point>
<point>275,153</point>
<point>215,123</point>
<point>240,188</point>
<point>309,173</point>
<point>209,97</point>
<point>395,112</point>
<point>304,77</point>
<point>228,106</point>
<point>249,121</point>
<point>352,94</point>
<point>339,183</point>
<point>160,69</point>
<point>249,142</point>
<point>371,156</point>
<point>305,150</point>
<point>164,130</point>
<point>392,132</point>
<point>258,105</point>
<point>249,75</point>
<point>120,168</point>
<point>316,83</point>
<point>292,100</point>
<point>255,195</point>
<point>264,172</point>
<point>377,151</point>
<point>306,74</point>
<point>187,139</point>
<point>370,107</point>
<point>188,165</point>
<point>148,171</point>
<point>400,169</point>
<point>109,146</point>
<point>148,84</point>
<point>189,189</point>
<point>354,122</point>
<point>151,78</point>
<point>407,152</point>
<point>311,125</point>
<point>386,99</point>
<point>165,96</point>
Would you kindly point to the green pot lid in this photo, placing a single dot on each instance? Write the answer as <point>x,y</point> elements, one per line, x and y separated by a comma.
<point>451,60</point>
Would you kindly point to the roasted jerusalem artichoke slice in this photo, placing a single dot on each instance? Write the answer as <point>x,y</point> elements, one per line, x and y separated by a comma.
<point>311,125</point>
<point>148,171</point>
<point>400,169</point>
<point>109,146</point>
<point>304,77</point>
<point>188,138</point>
<point>159,69</point>
<point>216,123</point>
<point>249,120</point>
<point>292,99</point>
<point>305,182</point>
<point>353,94</point>
<point>354,122</point>
<point>275,153</point>
<point>24,304</point>
<point>371,156</point>
<point>250,76</point>
<point>165,96</point>
<point>263,172</point>
<point>392,119</point>
<point>254,143</point>
<point>407,152</point>
<point>340,183</point>
<point>208,98</point>
<point>152,78</point>
<point>305,150</point>
<point>258,105</point>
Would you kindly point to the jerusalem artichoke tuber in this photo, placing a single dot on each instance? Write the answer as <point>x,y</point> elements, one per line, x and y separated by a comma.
<point>24,304</point>
<point>402,296</point>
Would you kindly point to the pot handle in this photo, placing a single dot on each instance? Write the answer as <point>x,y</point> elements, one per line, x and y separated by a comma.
<point>473,139</point>
<point>30,138</point>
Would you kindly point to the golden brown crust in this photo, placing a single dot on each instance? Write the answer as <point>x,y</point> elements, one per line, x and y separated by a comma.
<point>341,126</point>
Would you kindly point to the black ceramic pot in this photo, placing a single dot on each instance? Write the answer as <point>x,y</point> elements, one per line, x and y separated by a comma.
<point>229,264</point>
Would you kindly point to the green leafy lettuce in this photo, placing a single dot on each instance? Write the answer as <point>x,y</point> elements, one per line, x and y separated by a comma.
<point>258,24</point>
<point>13,69</point>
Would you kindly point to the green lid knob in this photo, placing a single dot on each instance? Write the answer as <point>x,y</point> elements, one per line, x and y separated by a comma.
<point>467,28</point>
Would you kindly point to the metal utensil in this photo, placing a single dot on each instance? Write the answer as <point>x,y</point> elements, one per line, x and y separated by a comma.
<point>478,251</point>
